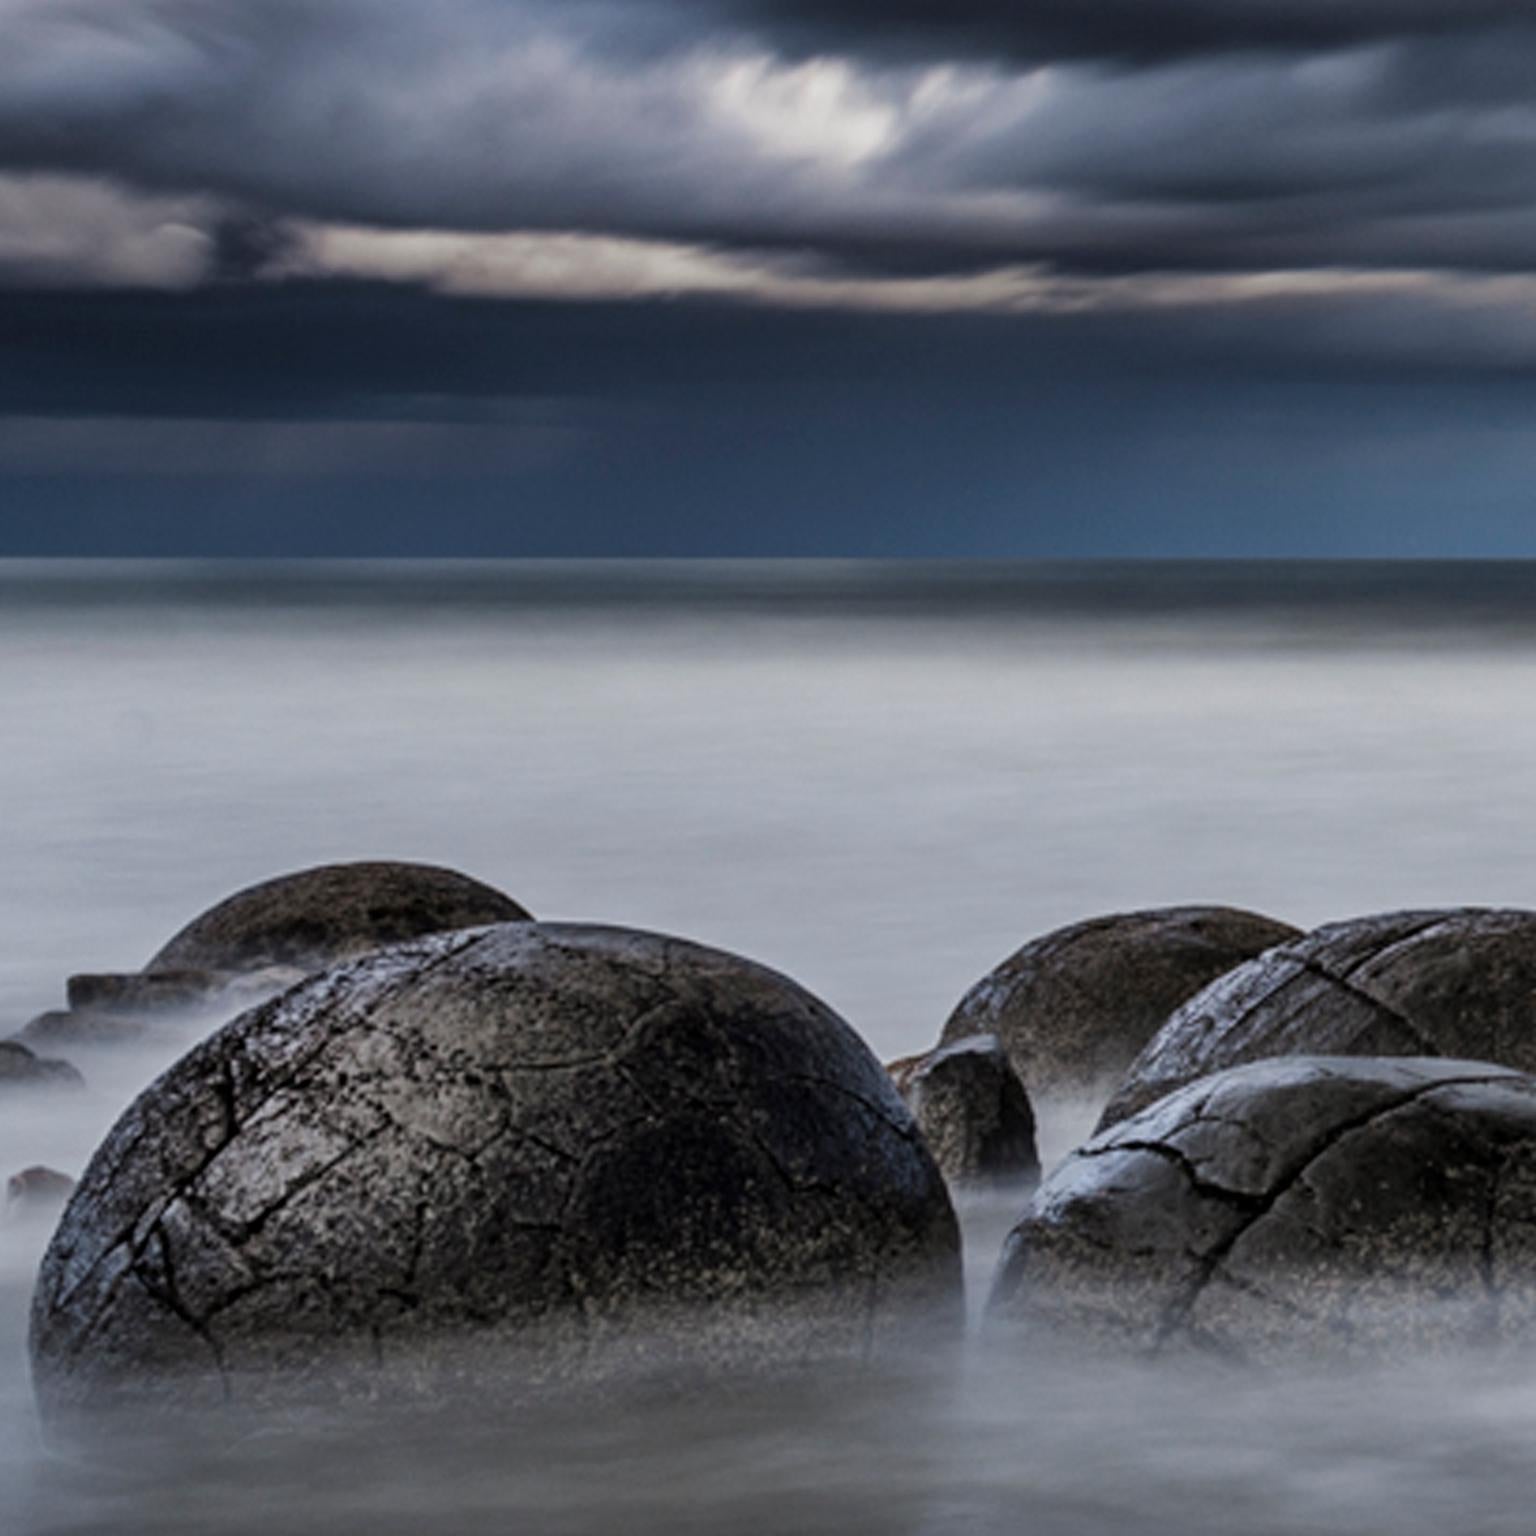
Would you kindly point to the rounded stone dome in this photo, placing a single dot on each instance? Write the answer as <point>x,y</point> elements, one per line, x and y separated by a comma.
<point>1315,1207</point>
<point>1073,1007</point>
<point>317,917</point>
<point>489,1162</point>
<point>1459,982</point>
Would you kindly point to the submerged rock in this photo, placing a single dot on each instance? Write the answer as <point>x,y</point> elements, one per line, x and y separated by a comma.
<point>1458,983</point>
<point>973,1111</point>
<point>318,917</point>
<point>1073,1008</point>
<point>36,1192</point>
<point>21,1067</point>
<point>63,1027</point>
<point>1331,1206</point>
<point>493,1161</point>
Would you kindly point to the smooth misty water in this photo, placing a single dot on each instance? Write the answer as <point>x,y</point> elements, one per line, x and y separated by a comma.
<point>878,780</point>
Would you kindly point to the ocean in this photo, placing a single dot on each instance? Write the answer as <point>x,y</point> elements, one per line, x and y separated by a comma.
<point>879,779</point>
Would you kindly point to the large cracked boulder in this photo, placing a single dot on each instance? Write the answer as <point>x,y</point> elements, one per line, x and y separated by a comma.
<point>1074,1007</point>
<point>491,1163</point>
<point>1458,983</point>
<point>973,1112</point>
<point>1312,1207</point>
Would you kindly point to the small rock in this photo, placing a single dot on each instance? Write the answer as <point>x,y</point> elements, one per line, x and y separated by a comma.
<point>1073,1008</point>
<point>21,1067</point>
<point>973,1111</point>
<point>36,1192</point>
<point>1328,1207</point>
<point>1459,982</point>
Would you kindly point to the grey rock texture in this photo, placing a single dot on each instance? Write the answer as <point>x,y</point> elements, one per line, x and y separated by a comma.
<point>973,1112</point>
<point>575,1149</point>
<point>20,1067</point>
<point>1074,1007</point>
<point>321,916</point>
<point>1458,983</point>
<point>1318,1206</point>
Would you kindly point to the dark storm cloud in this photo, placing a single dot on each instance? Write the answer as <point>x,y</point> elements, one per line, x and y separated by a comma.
<point>1124,31</point>
<point>371,419</point>
<point>1168,133</point>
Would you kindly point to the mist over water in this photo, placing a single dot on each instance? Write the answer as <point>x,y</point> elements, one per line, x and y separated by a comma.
<point>879,780</point>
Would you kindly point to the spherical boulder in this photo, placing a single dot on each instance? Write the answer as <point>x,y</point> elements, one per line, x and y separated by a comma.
<point>497,1162</point>
<point>973,1111</point>
<point>1459,982</point>
<point>318,917</point>
<point>1327,1207</point>
<point>1074,1007</point>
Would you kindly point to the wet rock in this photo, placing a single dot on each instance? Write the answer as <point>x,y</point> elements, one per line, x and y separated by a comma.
<point>22,1067</point>
<point>317,917</point>
<point>1335,1207</point>
<point>1073,1008</point>
<point>1459,983</point>
<point>36,1192</point>
<point>973,1111</point>
<point>569,1148</point>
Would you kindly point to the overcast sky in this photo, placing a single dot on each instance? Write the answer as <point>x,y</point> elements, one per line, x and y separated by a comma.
<point>889,277</point>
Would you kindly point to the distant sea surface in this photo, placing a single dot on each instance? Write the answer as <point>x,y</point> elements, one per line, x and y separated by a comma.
<point>880,779</point>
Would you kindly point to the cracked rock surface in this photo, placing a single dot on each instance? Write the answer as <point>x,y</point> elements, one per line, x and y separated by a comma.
<point>584,1145</point>
<point>1316,1206</point>
<point>973,1111</point>
<point>1459,983</point>
<point>1073,1008</point>
<point>318,917</point>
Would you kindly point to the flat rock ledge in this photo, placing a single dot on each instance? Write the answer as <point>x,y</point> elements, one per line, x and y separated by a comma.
<point>1323,1208</point>
<point>1074,1007</point>
<point>973,1112</point>
<point>1458,982</point>
<point>493,1164</point>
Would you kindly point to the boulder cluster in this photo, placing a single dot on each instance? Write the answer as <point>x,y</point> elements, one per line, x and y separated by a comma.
<point>452,1151</point>
<point>497,1161</point>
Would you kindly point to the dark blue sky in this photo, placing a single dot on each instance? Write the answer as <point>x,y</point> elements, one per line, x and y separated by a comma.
<point>1172,277</point>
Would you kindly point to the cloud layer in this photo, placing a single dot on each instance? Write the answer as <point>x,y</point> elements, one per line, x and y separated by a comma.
<point>1119,136</point>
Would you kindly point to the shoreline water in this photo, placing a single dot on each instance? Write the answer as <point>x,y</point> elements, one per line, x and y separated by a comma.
<point>880,795</point>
